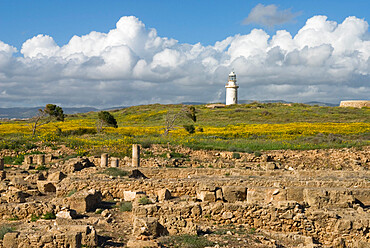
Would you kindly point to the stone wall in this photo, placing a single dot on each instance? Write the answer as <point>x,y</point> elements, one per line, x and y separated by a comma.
<point>288,216</point>
<point>355,104</point>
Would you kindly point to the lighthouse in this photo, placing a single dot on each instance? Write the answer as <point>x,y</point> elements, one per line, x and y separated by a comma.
<point>231,89</point>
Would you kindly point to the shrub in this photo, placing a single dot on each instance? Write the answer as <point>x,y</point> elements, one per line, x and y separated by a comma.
<point>125,206</point>
<point>4,230</point>
<point>189,128</point>
<point>144,201</point>
<point>107,118</point>
<point>236,155</point>
<point>34,218</point>
<point>48,216</point>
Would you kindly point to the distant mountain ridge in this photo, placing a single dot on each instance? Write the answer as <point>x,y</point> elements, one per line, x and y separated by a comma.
<point>22,113</point>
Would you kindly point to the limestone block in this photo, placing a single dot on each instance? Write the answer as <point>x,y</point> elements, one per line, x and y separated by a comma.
<point>148,226</point>
<point>206,196</point>
<point>295,194</point>
<point>40,159</point>
<point>362,195</point>
<point>129,195</point>
<point>73,239</point>
<point>163,194</point>
<point>85,201</point>
<point>89,237</point>
<point>135,243</point>
<point>315,197</point>
<point>10,240</point>
<point>219,194</point>
<point>275,195</point>
<point>56,176</point>
<point>234,193</point>
<point>256,195</point>
<point>67,214</point>
<point>114,162</point>
<point>46,186</point>
<point>270,166</point>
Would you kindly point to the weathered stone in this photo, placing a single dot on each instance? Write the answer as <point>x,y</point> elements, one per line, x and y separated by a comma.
<point>234,193</point>
<point>104,160</point>
<point>227,215</point>
<point>219,194</point>
<point>56,176</point>
<point>270,166</point>
<point>10,240</point>
<point>135,155</point>
<point>67,214</point>
<point>129,195</point>
<point>40,159</point>
<point>114,162</point>
<point>206,196</point>
<point>78,164</point>
<point>148,226</point>
<point>85,201</point>
<point>135,243</point>
<point>163,194</point>
<point>46,186</point>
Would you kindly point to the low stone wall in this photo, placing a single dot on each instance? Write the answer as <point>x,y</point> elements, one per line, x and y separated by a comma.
<point>52,236</point>
<point>355,104</point>
<point>288,216</point>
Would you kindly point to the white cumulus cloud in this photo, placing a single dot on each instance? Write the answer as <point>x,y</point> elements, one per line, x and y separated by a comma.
<point>131,64</point>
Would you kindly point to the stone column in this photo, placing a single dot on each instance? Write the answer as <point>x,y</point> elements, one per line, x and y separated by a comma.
<point>28,160</point>
<point>104,160</point>
<point>135,155</point>
<point>114,162</point>
<point>40,159</point>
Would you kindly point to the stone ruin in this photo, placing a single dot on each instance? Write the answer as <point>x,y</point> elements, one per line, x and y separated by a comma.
<point>288,198</point>
<point>355,104</point>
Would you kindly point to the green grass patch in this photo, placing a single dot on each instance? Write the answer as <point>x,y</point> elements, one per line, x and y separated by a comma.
<point>70,193</point>
<point>186,241</point>
<point>115,172</point>
<point>34,218</point>
<point>125,206</point>
<point>4,230</point>
<point>144,201</point>
<point>48,216</point>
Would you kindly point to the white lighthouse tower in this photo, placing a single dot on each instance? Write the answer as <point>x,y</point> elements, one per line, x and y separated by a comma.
<point>231,89</point>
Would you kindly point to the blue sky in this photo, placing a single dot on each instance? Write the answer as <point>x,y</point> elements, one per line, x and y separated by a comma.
<point>189,21</point>
<point>137,52</point>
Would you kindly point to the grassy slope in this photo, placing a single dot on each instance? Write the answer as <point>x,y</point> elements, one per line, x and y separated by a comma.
<point>274,113</point>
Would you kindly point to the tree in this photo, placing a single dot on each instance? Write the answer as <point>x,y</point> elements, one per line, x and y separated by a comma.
<point>49,113</point>
<point>106,119</point>
<point>171,118</point>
